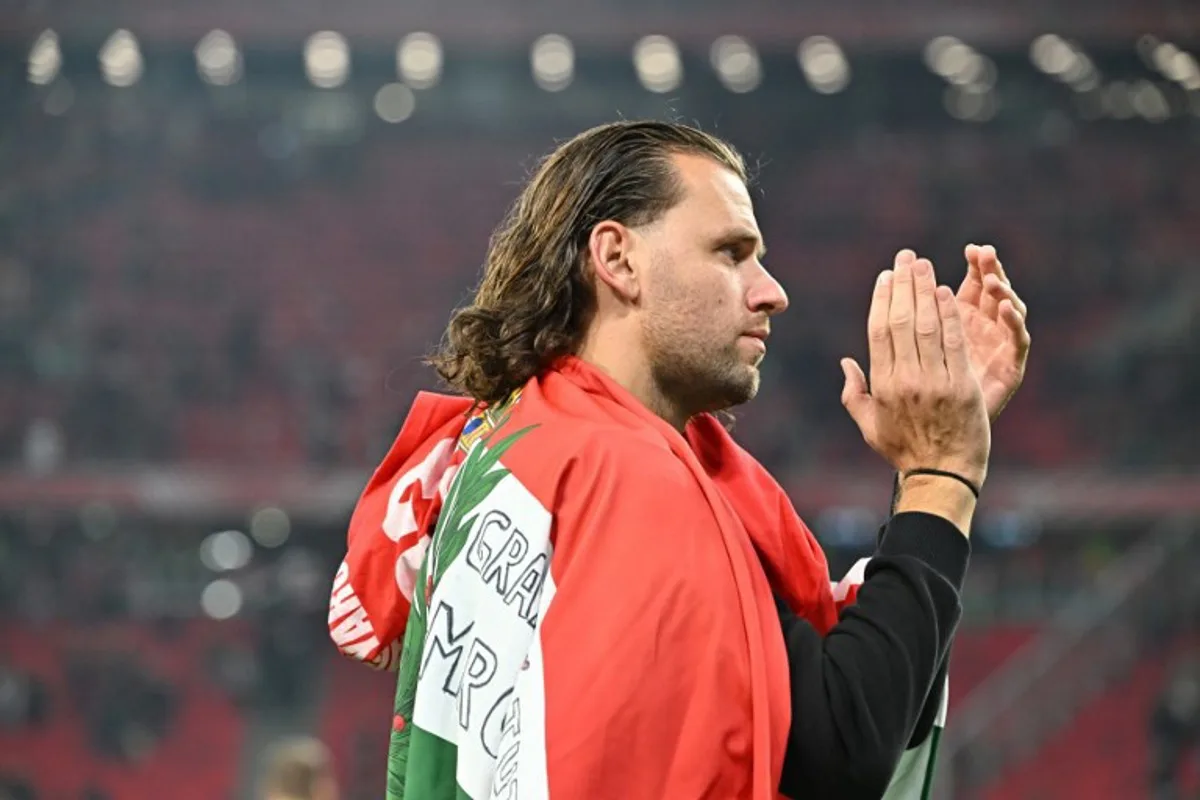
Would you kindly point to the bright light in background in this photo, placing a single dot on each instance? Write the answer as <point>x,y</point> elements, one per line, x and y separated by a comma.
<point>1064,60</point>
<point>327,59</point>
<point>121,59</point>
<point>552,59</point>
<point>656,59</point>
<point>960,64</point>
<point>1149,101</point>
<point>218,60</point>
<point>936,49</point>
<point>737,63</point>
<point>225,551</point>
<point>1051,54</point>
<point>270,526</point>
<point>1175,64</point>
<point>45,58</point>
<point>221,599</point>
<point>419,60</point>
<point>824,64</point>
<point>394,102</point>
<point>952,59</point>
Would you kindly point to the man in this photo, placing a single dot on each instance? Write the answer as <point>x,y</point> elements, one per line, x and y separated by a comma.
<point>616,600</point>
<point>299,769</point>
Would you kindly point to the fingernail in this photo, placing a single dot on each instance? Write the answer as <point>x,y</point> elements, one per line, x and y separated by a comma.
<point>921,268</point>
<point>885,277</point>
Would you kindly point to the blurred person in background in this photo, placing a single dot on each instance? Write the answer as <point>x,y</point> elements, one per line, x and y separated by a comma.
<point>299,769</point>
<point>1175,729</point>
<point>624,605</point>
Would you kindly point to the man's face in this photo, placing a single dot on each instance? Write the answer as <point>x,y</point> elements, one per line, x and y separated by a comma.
<point>707,297</point>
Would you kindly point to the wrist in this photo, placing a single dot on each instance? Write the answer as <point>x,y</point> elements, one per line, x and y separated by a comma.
<point>965,481</point>
<point>945,497</point>
<point>967,469</point>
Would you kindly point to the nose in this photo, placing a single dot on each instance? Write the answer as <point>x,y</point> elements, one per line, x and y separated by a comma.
<point>765,294</point>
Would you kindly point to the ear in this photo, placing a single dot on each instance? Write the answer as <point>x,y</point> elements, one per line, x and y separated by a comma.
<point>609,248</point>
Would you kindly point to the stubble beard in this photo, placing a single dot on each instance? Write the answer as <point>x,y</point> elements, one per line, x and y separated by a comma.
<point>696,378</point>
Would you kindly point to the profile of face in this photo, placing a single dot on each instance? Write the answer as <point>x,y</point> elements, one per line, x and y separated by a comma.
<point>706,298</point>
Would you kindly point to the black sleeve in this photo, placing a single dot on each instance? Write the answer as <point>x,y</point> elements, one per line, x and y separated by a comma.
<point>934,700</point>
<point>858,692</point>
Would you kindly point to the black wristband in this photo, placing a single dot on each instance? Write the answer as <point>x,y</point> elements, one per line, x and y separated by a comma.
<point>944,474</point>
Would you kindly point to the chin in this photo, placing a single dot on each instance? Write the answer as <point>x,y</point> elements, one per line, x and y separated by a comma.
<point>741,389</point>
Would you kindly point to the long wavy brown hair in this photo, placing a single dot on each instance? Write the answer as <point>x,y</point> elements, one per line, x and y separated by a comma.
<point>535,299</point>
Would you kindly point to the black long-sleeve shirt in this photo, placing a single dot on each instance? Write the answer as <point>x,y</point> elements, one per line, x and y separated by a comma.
<point>871,686</point>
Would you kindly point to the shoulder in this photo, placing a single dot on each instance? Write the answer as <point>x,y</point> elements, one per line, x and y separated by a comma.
<point>602,459</point>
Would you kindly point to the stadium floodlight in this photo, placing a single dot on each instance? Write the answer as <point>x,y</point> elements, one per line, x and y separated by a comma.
<point>327,59</point>
<point>395,102</point>
<point>1146,45</point>
<point>45,58</point>
<point>935,51</point>
<point>736,63</point>
<point>1051,54</point>
<point>121,59</point>
<point>824,65</point>
<point>657,62</point>
<point>221,599</point>
<point>552,59</point>
<point>1178,65</point>
<point>225,550</point>
<point>419,60</point>
<point>218,59</point>
<point>270,526</point>
<point>1149,101</point>
<point>1065,61</point>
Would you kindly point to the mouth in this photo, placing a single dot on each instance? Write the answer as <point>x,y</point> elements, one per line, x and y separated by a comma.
<point>758,333</point>
<point>758,341</point>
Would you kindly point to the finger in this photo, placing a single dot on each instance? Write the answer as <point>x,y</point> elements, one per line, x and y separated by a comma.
<point>954,341</point>
<point>989,270</point>
<point>879,335</point>
<point>971,288</point>
<point>902,314</point>
<point>1000,291</point>
<point>1015,321</point>
<point>856,398</point>
<point>928,325</point>
<point>990,262</point>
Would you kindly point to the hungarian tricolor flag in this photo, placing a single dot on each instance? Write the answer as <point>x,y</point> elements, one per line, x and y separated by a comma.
<point>578,600</point>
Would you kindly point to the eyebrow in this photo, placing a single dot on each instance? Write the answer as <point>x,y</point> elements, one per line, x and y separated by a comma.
<point>743,236</point>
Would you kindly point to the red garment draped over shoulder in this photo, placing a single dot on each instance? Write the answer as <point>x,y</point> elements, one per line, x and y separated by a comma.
<point>663,669</point>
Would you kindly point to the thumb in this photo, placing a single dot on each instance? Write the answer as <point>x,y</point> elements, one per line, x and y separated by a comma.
<point>855,396</point>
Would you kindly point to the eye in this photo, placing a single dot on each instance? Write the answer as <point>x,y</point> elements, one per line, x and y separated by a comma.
<point>733,252</point>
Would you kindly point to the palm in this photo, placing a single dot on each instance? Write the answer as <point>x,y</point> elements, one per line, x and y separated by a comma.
<point>993,319</point>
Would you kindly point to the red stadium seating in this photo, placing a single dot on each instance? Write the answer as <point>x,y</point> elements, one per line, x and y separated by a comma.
<point>1104,751</point>
<point>198,758</point>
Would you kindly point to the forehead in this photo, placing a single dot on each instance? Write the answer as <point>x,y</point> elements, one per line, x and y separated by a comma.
<point>713,193</point>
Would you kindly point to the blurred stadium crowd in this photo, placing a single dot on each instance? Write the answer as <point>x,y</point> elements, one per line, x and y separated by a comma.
<point>164,299</point>
<point>182,285</point>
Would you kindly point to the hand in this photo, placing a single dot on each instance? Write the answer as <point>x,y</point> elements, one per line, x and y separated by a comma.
<point>993,319</point>
<point>924,407</point>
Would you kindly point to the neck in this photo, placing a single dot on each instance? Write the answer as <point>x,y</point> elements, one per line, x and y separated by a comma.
<point>618,355</point>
